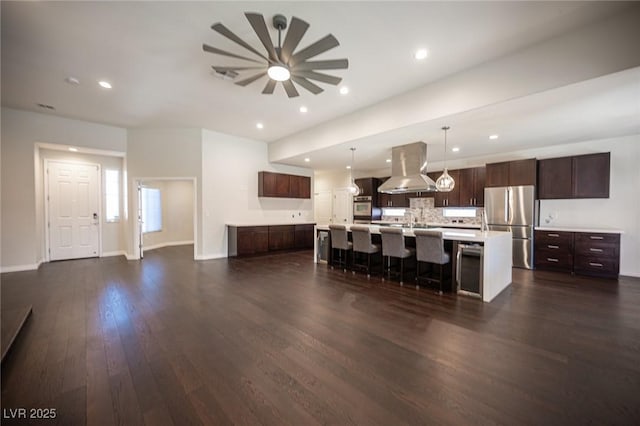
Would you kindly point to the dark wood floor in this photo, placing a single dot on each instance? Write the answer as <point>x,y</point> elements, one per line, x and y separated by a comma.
<point>279,340</point>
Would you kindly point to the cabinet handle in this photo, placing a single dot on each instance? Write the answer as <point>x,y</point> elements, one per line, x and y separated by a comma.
<point>593,237</point>
<point>470,201</point>
<point>475,201</point>
<point>598,265</point>
<point>551,246</point>
<point>596,250</point>
<point>551,259</point>
<point>553,235</point>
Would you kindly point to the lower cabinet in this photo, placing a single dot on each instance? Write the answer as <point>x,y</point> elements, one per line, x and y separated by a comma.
<point>250,240</point>
<point>593,254</point>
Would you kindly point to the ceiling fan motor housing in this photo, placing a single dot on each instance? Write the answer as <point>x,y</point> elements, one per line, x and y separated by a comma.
<point>280,22</point>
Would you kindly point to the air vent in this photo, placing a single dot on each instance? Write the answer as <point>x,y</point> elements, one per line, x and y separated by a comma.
<point>45,106</point>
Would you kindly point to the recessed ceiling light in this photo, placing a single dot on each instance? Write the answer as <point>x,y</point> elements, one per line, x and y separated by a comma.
<point>348,167</point>
<point>104,84</point>
<point>306,160</point>
<point>421,54</point>
<point>455,149</point>
<point>344,90</point>
<point>72,149</point>
<point>72,80</point>
<point>388,160</point>
<point>260,125</point>
<point>303,109</point>
<point>493,137</point>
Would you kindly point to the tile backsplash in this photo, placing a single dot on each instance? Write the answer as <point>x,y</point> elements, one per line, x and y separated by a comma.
<point>424,211</point>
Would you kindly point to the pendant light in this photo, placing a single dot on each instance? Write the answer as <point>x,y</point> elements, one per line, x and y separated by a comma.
<point>352,188</point>
<point>445,183</point>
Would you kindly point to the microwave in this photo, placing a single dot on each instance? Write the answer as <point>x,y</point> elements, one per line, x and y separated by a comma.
<point>362,206</point>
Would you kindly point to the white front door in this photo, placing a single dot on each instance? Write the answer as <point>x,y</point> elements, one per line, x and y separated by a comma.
<point>73,198</point>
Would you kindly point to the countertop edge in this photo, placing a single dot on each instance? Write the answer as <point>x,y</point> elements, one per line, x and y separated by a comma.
<point>248,225</point>
<point>577,229</point>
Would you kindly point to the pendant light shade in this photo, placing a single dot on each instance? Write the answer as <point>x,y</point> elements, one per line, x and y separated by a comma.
<point>445,183</point>
<point>352,188</point>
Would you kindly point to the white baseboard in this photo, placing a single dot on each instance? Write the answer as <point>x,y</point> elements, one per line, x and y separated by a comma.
<point>169,244</point>
<point>20,268</point>
<point>131,257</point>
<point>211,256</point>
<point>114,253</point>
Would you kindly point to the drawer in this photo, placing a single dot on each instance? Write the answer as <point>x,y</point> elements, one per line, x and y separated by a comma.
<point>587,238</point>
<point>597,250</point>
<point>554,237</point>
<point>591,265</point>
<point>554,247</point>
<point>545,259</point>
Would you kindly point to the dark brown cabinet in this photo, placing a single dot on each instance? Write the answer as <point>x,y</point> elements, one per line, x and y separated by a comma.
<point>393,200</point>
<point>582,176</point>
<point>511,173</point>
<point>368,187</point>
<point>250,239</point>
<point>280,185</point>
<point>303,238</point>
<point>592,254</point>
<point>554,178</point>
<point>471,186</point>
<point>591,174</point>
<point>554,250</point>
<point>281,237</point>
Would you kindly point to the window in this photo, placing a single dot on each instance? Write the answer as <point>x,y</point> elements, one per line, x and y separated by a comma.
<point>151,210</point>
<point>112,195</point>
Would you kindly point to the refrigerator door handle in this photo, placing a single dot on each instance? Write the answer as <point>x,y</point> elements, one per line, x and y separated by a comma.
<point>506,206</point>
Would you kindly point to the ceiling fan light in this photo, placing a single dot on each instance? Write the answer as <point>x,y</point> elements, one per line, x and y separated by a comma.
<point>278,73</point>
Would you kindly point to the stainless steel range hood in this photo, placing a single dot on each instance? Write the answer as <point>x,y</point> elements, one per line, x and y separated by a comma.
<point>408,170</point>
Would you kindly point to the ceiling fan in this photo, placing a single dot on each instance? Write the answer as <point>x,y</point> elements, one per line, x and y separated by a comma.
<point>281,63</point>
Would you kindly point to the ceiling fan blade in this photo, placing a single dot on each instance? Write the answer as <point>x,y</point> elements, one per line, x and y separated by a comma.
<point>325,78</point>
<point>313,88</point>
<point>250,79</point>
<point>223,69</point>
<point>320,46</point>
<point>290,89</point>
<point>217,51</point>
<point>333,64</point>
<point>269,87</point>
<point>296,31</point>
<point>260,27</point>
<point>221,29</point>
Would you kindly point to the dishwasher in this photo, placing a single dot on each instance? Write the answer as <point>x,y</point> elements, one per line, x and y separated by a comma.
<point>469,271</point>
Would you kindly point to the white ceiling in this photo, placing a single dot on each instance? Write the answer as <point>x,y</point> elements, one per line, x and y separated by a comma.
<point>151,53</point>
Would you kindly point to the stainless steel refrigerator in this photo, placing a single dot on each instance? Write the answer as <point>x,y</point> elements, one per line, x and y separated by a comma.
<point>513,208</point>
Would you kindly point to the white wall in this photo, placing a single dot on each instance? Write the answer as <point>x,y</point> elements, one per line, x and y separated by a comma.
<point>177,214</point>
<point>164,153</point>
<point>230,167</point>
<point>22,226</point>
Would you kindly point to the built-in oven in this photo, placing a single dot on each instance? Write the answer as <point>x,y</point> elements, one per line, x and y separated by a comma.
<point>362,206</point>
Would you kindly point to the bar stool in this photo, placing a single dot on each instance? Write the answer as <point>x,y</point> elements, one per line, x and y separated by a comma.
<point>361,236</point>
<point>430,249</point>
<point>393,246</point>
<point>340,241</point>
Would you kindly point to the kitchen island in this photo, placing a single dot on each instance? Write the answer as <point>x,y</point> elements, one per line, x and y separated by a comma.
<point>497,258</point>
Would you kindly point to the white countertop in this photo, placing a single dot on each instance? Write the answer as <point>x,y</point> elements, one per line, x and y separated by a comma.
<point>454,234</point>
<point>571,229</point>
<point>239,225</point>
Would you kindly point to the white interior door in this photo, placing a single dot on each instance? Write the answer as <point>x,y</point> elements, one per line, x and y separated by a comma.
<point>322,207</point>
<point>73,209</point>
<point>342,206</point>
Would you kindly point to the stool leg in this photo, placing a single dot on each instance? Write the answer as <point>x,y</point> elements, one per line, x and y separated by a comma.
<point>368,265</point>
<point>401,271</point>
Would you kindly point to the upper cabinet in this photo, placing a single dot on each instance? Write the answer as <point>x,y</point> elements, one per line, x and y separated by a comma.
<point>281,185</point>
<point>511,173</point>
<point>368,186</point>
<point>471,184</point>
<point>447,199</point>
<point>582,176</point>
